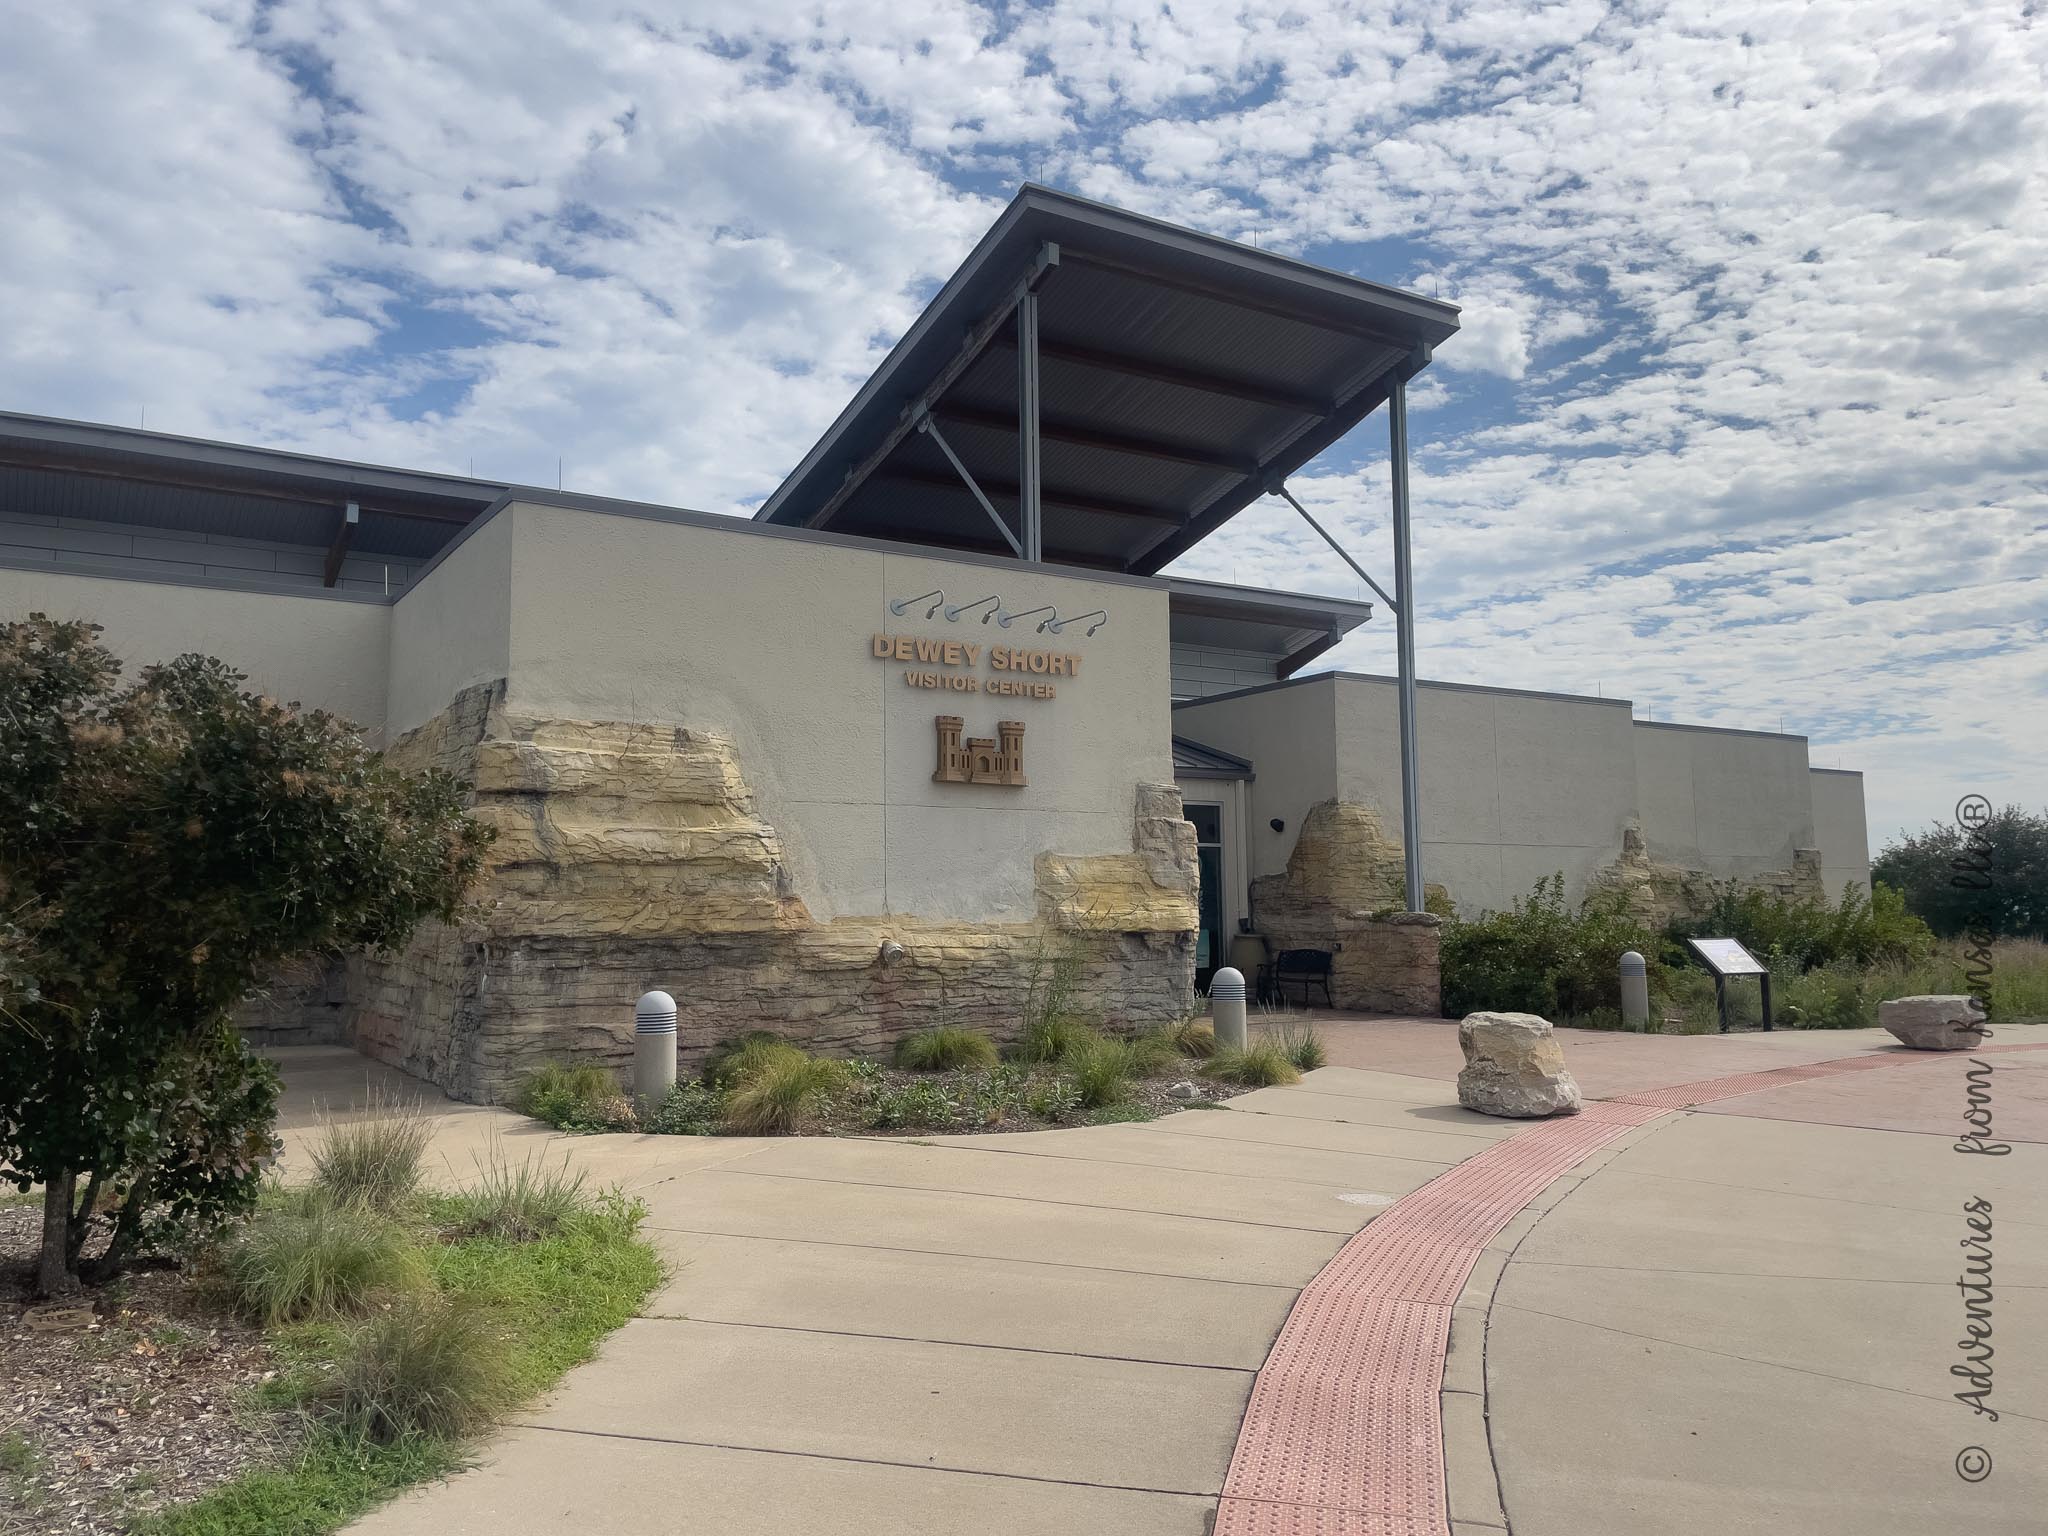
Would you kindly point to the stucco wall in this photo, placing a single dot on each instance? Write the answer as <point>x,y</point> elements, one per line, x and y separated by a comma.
<point>1840,830</point>
<point>452,629</point>
<point>1289,734</point>
<point>768,640</point>
<point>322,651</point>
<point>1733,803</point>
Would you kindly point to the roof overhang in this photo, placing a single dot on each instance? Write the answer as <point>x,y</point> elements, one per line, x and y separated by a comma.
<point>1293,628</point>
<point>1179,375</point>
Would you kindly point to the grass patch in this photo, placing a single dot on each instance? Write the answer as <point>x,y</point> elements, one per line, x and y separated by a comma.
<point>945,1049</point>
<point>1120,1114</point>
<point>1102,1073</point>
<point>1055,1037</point>
<point>374,1159</point>
<point>308,1256</point>
<point>1261,1064</point>
<point>518,1202</point>
<point>1192,1038</point>
<point>388,1399</point>
<point>1301,1045</point>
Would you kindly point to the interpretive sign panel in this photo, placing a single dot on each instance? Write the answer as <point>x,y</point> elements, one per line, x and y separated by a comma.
<point>1727,957</point>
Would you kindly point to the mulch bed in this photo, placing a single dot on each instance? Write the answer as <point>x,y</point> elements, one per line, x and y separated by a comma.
<point>123,1399</point>
<point>1152,1094</point>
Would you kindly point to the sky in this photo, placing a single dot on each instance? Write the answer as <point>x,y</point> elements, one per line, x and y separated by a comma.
<point>1747,420</point>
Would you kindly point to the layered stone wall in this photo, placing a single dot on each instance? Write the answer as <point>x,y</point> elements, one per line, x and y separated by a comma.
<point>1657,892</point>
<point>630,857</point>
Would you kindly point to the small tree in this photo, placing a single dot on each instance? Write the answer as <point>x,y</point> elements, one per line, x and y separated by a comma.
<point>1991,879</point>
<point>164,847</point>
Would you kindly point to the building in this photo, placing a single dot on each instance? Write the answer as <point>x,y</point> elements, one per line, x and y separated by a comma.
<point>906,747</point>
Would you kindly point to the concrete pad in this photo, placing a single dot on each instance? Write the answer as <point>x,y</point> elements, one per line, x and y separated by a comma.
<point>1604,1434</point>
<point>1167,1428</point>
<point>1620,1221</point>
<point>1394,1087</point>
<point>937,1221</point>
<point>1473,1493</point>
<point>1299,1101</point>
<point>1327,1136</point>
<point>1342,1172</point>
<point>543,1481</point>
<point>1066,1181</point>
<point>1894,1335</point>
<point>1875,1167</point>
<point>945,1298</point>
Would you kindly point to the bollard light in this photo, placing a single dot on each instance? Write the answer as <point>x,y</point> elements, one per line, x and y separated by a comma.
<point>1635,992</point>
<point>654,1050</point>
<point>1226,1007</point>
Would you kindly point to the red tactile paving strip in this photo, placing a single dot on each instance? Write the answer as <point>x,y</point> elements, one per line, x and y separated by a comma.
<point>1343,1435</point>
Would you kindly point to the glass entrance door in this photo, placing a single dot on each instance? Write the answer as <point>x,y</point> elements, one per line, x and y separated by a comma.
<point>1209,937</point>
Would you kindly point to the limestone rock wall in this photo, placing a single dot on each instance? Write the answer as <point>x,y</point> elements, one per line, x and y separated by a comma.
<point>632,856</point>
<point>1657,892</point>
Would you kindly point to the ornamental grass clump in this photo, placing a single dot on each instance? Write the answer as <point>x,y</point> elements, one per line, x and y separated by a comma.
<point>1261,1064</point>
<point>312,1256</point>
<point>518,1202</point>
<point>1102,1072</point>
<point>428,1365</point>
<point>947,1048</point>
<point>1301,1044</point>
<point>374,1159</point>
<point>782,1091</point>
<point>1055,1037</point>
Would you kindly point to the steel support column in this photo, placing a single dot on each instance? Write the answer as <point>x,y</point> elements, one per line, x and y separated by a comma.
<point>1029,507</point>
<point>1404,645</point>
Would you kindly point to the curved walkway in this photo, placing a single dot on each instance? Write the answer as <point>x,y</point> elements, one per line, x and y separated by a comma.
<point>1115,1327</point>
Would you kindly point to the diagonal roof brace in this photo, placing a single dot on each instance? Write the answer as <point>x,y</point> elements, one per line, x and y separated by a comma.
<point>925,424</point>
<point>971,346</point>
<point>1279,488</point>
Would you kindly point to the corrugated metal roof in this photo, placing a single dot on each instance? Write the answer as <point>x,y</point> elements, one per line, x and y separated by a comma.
<point>1179,373</point>
<point>1192,760</point>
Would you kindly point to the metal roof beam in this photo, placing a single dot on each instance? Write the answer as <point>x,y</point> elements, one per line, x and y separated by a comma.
<point>223,486</point>
<point>1279,309</point>
<point>344,535</point>
<point>1181,378</point>
<point>1106,442</point>
<point>1051,498</point>
<point>971,347</point>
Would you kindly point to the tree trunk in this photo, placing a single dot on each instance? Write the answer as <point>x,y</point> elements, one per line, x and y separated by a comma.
<point>53,1273</point>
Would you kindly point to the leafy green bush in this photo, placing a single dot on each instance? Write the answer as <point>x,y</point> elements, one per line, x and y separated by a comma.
<point>691,1109</point>
<point>1859,930</point>
<point>426,1366</point>
<point>518,1202</point>
<point>374,1158</point>
<point>945,1049</point>
<point>1301,1044</point>
<point>583,1098</point>
<point>778,1090</point>
<point>1542,957</point>
<point>995,1096</point>
<point>1988,881</point>
<point>1261,1064</point>
<point>309,1256</point>
<point>1054,1038</point>
<point>915,1106</point>
<point>1054,1099</point>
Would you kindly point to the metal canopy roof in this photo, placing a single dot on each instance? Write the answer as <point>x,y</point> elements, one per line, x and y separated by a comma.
<point>77,469</point>
<point>1293,627</point>
<point>1193,760</point>
<point>1178,375</point>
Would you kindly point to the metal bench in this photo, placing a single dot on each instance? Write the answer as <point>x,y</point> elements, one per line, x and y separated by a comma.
<point>1305,968</point>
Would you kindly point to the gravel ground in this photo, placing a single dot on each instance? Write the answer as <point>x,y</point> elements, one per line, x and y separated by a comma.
<point>120,1401</point>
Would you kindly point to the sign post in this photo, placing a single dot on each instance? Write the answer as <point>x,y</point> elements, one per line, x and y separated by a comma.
<point>1725,958</point>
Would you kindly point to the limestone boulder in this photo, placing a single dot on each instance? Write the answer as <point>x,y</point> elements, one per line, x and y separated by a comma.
<point>1514,1067</point>
<point>1935,1023</point>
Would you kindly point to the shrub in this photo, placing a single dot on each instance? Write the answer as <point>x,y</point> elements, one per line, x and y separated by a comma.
<point>311,1257</point>
<point>1859,930</point>
<point>691,1109</point>
<point>1541,957</point>
<point>736,1058</point>
<point>583,1098</point>
<point>945,1049</point>
<point>1300,1044</point>
<point>1989,880</point>
<point>428,1366</point>
<point>375,1158</point>
<point>778,1090</point>
<point>517,1202</point>
<point>1054,1099</point>
<point>1054,1038</point>
<point>1261,1064</point>
<point>914,1106</point>
<point>995,1096</point>
<point>1829,997</point>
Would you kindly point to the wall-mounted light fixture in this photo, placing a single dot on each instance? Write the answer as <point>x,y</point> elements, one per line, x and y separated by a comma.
<point>954,610</point>
<point>1056,625</point>
<point>903,603</point>
<point>1277,824</point>
<point>1007,619</point>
